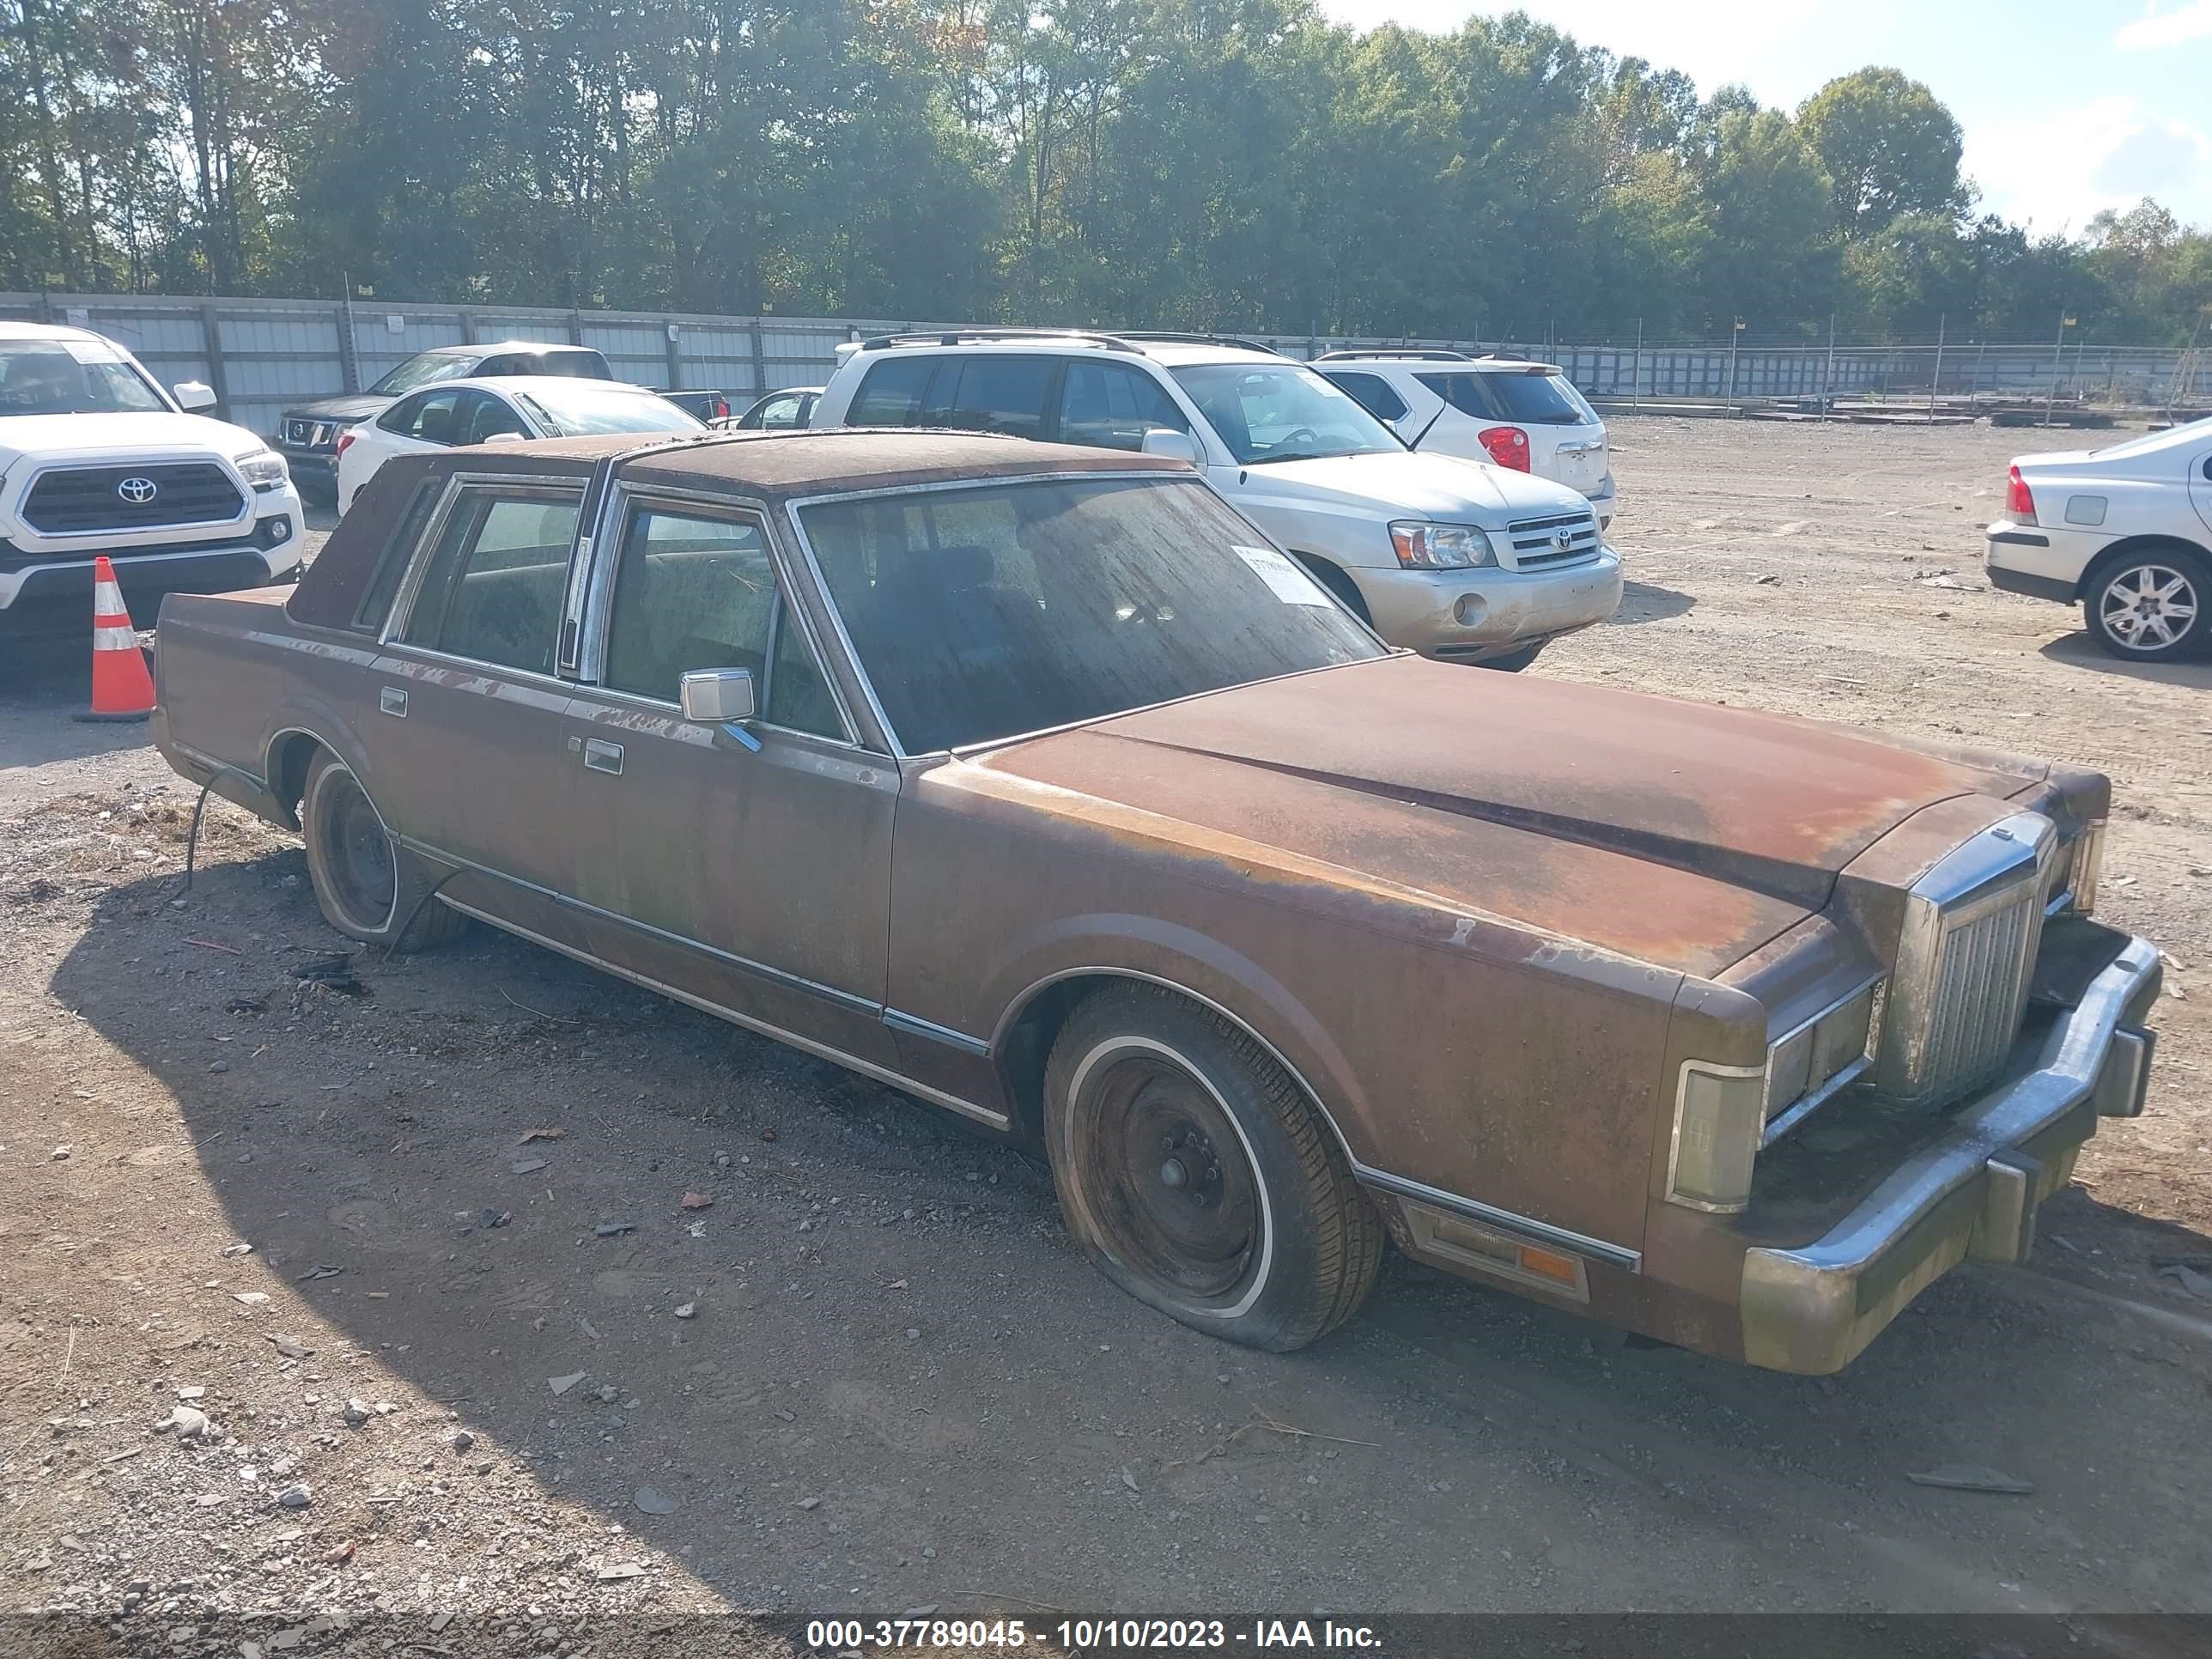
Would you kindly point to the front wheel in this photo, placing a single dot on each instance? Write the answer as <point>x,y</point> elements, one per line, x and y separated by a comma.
<point>1198,1177</point>
<point>2152,605</point>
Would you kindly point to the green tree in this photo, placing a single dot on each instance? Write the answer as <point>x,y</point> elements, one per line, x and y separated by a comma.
<point>1889,147</point>
<point>1772,262</point>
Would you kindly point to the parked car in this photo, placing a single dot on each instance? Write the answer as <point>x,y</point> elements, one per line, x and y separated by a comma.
<point>98,457</point>
<point>455,413</point>
<point>1466,562</point>
<point>1509,412</point>
<point>308,433</point>
<point>1035,781</point>
<point>782,411</point>
<point>2125,532</point>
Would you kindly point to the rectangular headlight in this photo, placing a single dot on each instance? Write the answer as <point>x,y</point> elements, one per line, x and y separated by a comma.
<point>1720,1116</point>
<point>2088,865</point>
<point>264,470</point>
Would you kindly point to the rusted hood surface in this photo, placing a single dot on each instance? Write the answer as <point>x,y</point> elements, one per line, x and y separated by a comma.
<point>1682,834</point>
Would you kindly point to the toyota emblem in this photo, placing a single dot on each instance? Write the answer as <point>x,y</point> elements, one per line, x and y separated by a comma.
<point>1563,539</point>
<point>137,490</point>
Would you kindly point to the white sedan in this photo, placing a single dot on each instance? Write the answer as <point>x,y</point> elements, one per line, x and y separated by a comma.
<point>2125,532</point>
<point>499,411</point>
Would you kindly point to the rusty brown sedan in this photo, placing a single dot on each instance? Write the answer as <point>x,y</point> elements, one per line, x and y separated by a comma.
<point>1036,782</point>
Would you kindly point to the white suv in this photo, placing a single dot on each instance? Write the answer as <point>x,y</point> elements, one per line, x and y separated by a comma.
<point>1509,412</point>
<point>97,457</point>
<point>1457,560</point>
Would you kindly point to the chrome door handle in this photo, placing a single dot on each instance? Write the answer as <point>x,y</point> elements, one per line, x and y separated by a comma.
<point>600,756</point>
<point>391,701</point>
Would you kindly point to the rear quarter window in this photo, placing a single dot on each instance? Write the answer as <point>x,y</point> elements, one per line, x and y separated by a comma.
<point>351,582</point>
<point>892,391</point>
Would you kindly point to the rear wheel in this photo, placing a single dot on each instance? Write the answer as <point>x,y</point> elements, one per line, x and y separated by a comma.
<point>2153,604</point>
<point>369,886</point>
<point>1198,1177</point>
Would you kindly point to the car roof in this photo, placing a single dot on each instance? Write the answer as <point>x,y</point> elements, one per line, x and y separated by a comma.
<point>25,331</point>
<point>525,382</point>
<point>830,461</point>
<point>1167,352</point>
<point>1438,362</point>
<point>488,348</point>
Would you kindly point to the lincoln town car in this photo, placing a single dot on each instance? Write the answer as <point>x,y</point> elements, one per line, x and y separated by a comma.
<point>1034,781</point>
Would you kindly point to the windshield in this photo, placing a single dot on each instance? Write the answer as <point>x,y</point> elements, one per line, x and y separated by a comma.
<point>982,612</point>
<point>72,377</point>
<point>581,409</point>
<point>424,368</point>
<point>1270,412</point>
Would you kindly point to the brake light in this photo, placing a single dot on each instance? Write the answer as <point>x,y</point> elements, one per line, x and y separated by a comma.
<point>721,408</point>
<point>344,439</point>
<point>1508,446</point>
<point>2019,499</point>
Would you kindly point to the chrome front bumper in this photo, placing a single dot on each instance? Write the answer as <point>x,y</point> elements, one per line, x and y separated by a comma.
<point>1972,1195</point>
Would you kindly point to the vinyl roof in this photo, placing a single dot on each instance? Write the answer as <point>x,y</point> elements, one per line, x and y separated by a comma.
<point>827,462</point>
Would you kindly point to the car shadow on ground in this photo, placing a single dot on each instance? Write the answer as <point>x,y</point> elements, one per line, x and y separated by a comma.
<point>2077,650</point>
<point>889,1318</point>
<point>1646,602</point>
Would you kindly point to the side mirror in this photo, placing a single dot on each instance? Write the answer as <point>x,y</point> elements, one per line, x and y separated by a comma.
<point>1174,445</point>
<point>194,397</point>
<point>716,696</point>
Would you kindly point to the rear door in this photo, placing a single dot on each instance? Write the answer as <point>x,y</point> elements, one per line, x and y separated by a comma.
<point>470,728</point>
<point>746,864</point>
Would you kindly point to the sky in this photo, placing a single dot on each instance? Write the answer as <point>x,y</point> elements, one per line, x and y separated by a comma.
<point>2068,106</point>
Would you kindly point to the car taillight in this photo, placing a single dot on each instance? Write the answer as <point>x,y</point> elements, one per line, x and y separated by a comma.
<point>2019,499</point>
<point>344,438</point>
<point>721,408</point>
<point>1508,446</point>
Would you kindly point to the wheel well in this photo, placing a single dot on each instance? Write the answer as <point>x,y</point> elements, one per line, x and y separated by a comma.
<point>289,757</point>
<point>1026,1049</point>
<point>2120,549</point>
<point>1334,579</point>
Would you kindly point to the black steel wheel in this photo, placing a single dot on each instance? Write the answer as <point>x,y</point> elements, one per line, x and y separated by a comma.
<point>367,885</point>
<point>1198,1176</point>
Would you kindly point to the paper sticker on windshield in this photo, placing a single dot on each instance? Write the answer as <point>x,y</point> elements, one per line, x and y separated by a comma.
<point>1284,579</point>
<point>92,351</point>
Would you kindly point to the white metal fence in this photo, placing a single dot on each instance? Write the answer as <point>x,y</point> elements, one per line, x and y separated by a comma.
<point>262,355</point>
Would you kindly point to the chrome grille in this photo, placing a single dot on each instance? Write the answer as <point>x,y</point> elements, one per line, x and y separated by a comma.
<point>1564,538</point>
<point>74,500</point>
<point>1972,926</point>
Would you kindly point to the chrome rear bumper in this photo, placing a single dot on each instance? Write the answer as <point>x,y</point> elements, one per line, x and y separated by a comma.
<point>1972,1195</point>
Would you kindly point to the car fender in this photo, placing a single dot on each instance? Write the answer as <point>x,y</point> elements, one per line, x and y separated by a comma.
<point>303,716</point>
<point>1150,951</point>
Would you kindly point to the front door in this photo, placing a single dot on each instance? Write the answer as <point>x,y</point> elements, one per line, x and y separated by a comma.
<point>745,867</point>
<point>470,726</point>
<point>2200,485</point>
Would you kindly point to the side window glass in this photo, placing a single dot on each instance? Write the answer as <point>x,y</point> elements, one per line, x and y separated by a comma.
<point>1113,406</point>
<point>1464,393</point>
<point>428,417</point>
<point>1004,394</point>
<point>391,563</point>
<point>891,393</point>
<point>1371,390</point>
<point>480,417</point>
<point>780,414</point>
<point>492,592</point>
<point>497,366</point>
<point>693,593</point>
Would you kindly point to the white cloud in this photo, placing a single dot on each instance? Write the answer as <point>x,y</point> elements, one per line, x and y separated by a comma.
<point>2192,21</point>
<point>2062,166</point>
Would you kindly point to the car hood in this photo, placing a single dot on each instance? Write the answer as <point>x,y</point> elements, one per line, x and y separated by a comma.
<point>117,437</point>
<point>350,407</point>
<point>1679,834</point>
<point>1443,487</point>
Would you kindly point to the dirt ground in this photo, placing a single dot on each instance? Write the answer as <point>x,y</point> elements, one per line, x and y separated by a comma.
<point>488,1353</point>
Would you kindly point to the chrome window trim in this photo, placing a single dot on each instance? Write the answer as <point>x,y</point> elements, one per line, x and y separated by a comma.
<point>598,591</point>
<point>793,506</point>
<point>418,567</point>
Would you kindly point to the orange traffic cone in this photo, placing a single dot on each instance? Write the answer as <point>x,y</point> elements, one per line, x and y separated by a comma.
<point>122,689</point>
